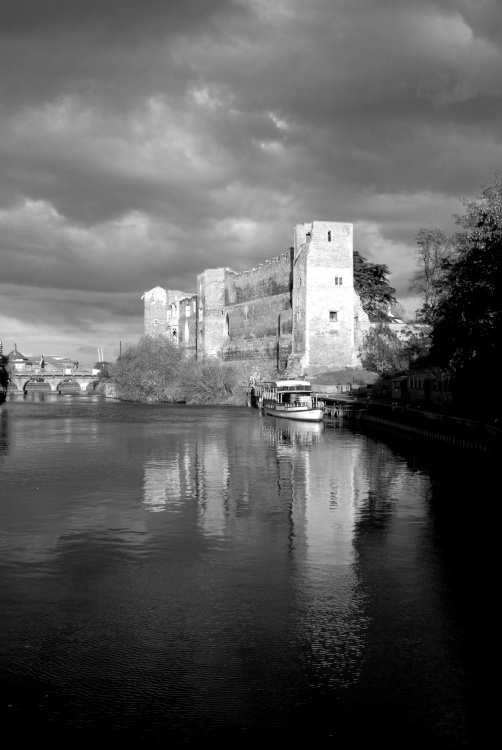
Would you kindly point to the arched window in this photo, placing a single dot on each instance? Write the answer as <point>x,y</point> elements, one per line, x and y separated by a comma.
<point>226,330</point>
<point>329,236</point>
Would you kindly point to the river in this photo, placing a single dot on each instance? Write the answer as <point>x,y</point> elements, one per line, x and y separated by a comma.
<point>176,576</point>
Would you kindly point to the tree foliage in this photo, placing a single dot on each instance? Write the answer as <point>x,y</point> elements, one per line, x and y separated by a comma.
<point>156,370</point>
<point>467,318</point>
<point>381,351</point>
<point>372,286</point>
<point>386,353</point>
<point>149,371</point>
<point>4,372</point>
<point>104,368</point>
<point>434,252</point>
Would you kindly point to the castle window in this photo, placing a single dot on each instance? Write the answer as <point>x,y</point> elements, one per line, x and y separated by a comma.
<point>338,280</point>
<point>333,316</point>
<point>329,236</point>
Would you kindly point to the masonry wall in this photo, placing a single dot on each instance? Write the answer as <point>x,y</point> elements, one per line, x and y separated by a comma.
<point>323,313</point>
<point>298,310</point>
<point>258,321</point>
<point>161,312</point>
<point>187,325</point>
<point>211,292</point>
<point>267,280</point>
<point>155,306</point>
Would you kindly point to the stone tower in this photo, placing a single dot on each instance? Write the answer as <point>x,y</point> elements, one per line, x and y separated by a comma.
<point>211,305</point>
<point>162,312</point>
<point>323,297</point>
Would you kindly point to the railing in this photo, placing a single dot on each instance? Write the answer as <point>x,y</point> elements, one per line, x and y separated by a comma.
<point>84,372</point>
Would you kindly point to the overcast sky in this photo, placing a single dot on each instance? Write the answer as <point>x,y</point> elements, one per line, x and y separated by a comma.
<point>142,141</point>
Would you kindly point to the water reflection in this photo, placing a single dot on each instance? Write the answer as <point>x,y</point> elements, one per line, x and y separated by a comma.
<point>292,500</point>
<point>4,442</point>
<point>196,576</point>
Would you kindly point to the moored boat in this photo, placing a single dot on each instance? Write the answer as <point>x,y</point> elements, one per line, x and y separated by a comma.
<point>289,399</point>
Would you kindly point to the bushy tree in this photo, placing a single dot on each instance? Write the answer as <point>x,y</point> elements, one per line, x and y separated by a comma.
<point>467,318</point>
<point>149,371</point>
<point>372,286</point>
<point>434,252</point>
<point>382,351</point>
<point>209,381</point>
<point>4,372</point>
<point>415,345</point>
<point>156,370</point>
<point>104,368</point>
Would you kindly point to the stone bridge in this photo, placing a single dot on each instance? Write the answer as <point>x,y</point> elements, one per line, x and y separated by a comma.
<point>55,378</point>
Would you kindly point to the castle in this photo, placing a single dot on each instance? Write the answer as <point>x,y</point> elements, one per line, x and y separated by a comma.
<point>295,314</point>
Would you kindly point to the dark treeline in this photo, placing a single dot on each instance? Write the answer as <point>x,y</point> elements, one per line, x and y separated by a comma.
<point>460,280</point>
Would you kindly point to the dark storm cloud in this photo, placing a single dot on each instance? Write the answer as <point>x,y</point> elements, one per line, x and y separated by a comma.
<point>143,141</point>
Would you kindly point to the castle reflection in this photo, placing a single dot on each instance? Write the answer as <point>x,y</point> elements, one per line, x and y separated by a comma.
<point>288,510</point>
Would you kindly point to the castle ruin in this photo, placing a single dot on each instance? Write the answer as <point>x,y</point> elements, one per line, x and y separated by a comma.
<point>297,313</point>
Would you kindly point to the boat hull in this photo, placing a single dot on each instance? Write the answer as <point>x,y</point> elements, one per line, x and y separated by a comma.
<point>302,415</point>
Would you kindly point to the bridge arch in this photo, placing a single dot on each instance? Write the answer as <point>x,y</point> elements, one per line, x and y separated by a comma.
<point>36,379</point>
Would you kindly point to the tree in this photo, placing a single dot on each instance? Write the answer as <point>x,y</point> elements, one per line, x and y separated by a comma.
<point>415,345</point>
<point>4,372</point>
<point>157,370</point>
<point>382,351</point>
<point>434,251</point>
<point>372,286</point>
<point>149,371</point>
<point>103,367</point>
<point>467,318</point>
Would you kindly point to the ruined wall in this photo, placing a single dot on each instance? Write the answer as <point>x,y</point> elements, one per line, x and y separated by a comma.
<point>155,306</point>
<point>299,309</point>
<point>187,325</point>
<point>267,280</point>
<point>161,312</point>
<point>211,292</point>
<point>258,319</point>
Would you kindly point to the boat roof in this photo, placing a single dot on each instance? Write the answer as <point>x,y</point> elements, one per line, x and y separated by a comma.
<point>287,382</point>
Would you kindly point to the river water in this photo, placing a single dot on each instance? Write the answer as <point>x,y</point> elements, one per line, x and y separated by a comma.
<point>177,576</point>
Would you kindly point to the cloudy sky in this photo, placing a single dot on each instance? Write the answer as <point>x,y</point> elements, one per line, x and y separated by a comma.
<point>144,140</point>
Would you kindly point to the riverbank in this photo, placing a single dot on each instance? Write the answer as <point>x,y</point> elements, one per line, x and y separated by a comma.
<point>436,428</point>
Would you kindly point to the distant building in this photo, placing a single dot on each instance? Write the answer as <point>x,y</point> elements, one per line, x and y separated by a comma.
<point>20,363</point>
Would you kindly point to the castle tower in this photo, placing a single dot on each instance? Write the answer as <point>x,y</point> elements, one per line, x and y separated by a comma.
<point>323,296</point>
<point>162,312</point>
<point>212,321</point>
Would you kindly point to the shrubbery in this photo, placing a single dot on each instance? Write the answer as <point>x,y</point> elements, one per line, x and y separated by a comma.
<point>155,370</point>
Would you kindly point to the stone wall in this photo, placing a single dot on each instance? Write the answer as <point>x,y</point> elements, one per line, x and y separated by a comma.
<point>267,280</point>
<point>211,292</point>
<point>298,311</point>
<point>187,325</point>
<point>258,323</point>
<point>161,309</point>
<point>323,312</point>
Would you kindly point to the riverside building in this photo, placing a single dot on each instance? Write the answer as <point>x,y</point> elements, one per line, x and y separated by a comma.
<point>297,313</point>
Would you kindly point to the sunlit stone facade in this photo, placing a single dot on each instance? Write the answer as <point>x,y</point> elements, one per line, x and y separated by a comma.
<point>297,313</point>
